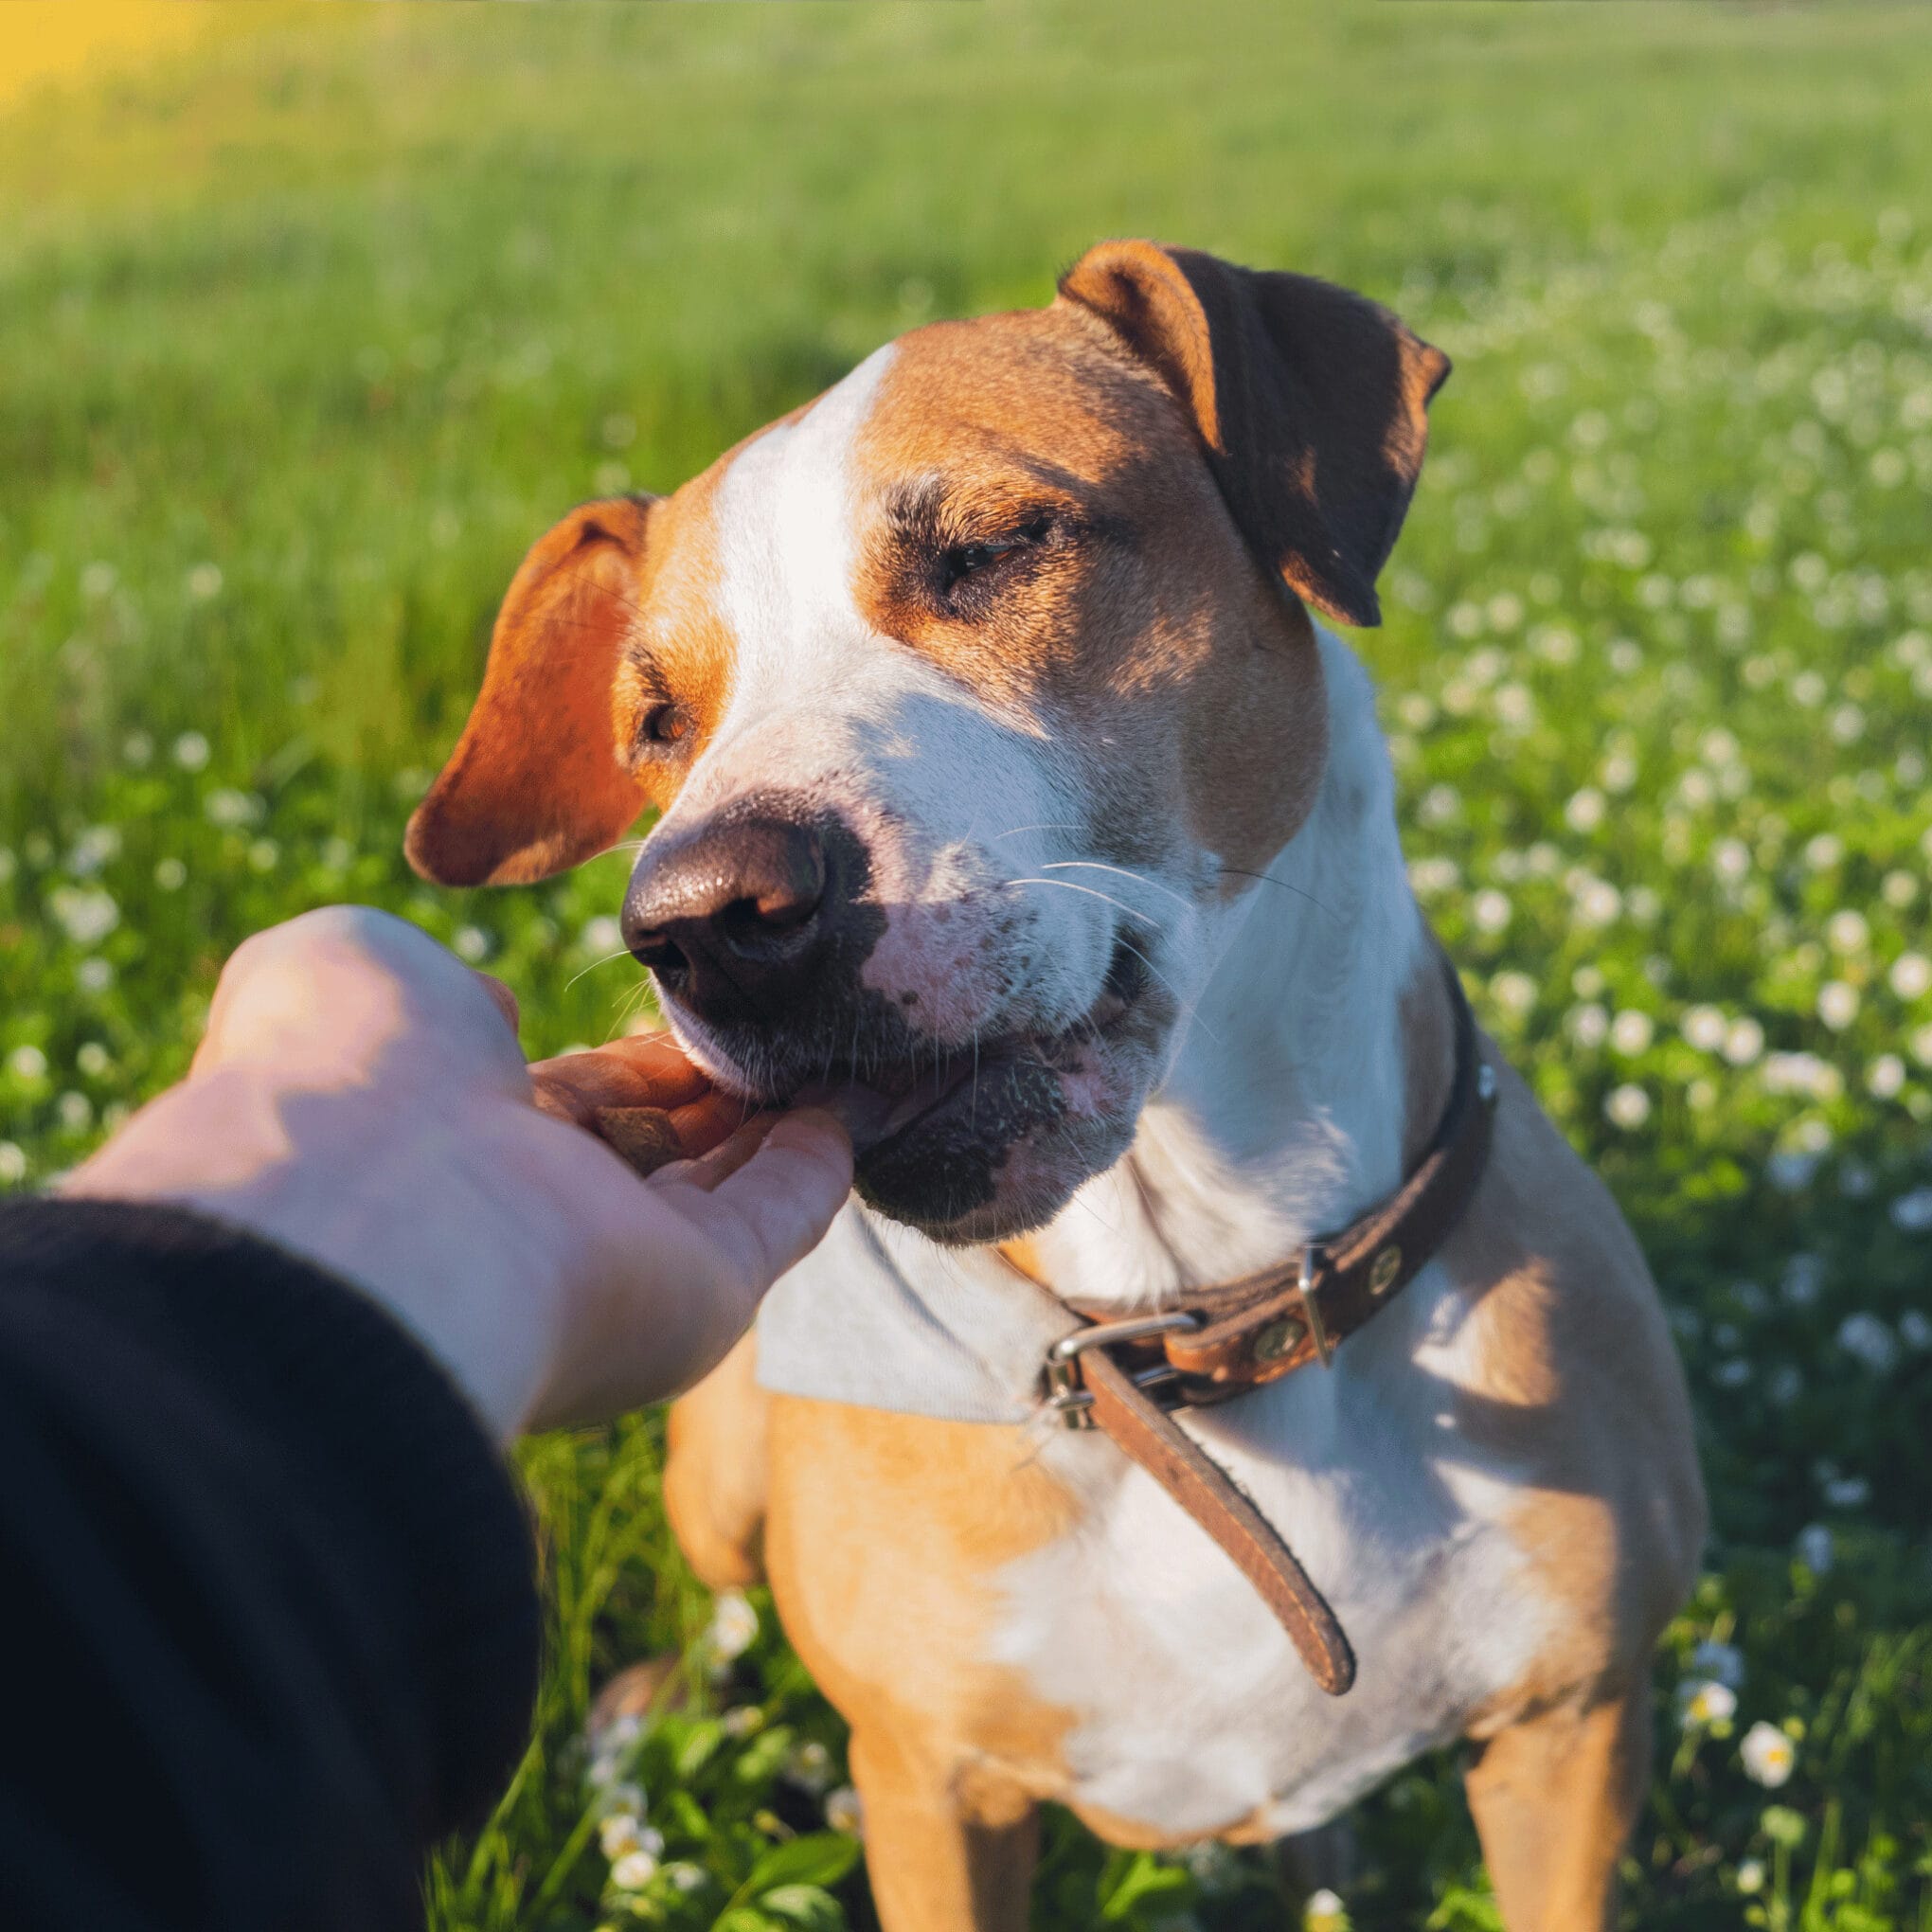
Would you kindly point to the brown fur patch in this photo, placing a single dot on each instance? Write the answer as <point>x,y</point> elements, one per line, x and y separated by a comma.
<point>886,1532</point>
<point>1128,622</point>
<point>1613,1520</point>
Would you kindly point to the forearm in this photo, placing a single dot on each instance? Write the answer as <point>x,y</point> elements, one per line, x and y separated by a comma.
<point>276,1587</point>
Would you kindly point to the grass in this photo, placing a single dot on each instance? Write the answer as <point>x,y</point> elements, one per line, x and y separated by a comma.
<point>307,328</point>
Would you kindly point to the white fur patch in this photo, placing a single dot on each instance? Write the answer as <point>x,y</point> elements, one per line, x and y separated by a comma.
<point>1280,1119</point>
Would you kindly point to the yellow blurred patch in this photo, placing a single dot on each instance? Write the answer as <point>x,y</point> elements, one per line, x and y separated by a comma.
<point>59,39</point>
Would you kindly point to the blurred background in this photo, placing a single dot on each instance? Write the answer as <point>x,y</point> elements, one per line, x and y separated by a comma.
<point>311,318</point>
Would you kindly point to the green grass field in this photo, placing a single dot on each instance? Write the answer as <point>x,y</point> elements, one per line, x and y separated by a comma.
<point>306,330</point>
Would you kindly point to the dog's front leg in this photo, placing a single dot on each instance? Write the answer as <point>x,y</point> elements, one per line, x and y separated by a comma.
<point>1554,1797</point>
<point>716,1479</point>
<point>947,1851</point>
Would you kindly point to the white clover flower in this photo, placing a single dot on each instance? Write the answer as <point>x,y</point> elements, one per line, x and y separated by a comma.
<point>137,749</point>
<point>1631,1032</point>
<point>844,1813</point>
<point>1324,1912</point>
<point>625,1800</point>
<point>262,856</point>
<point>1730,859</point>
<point>620,1836</point>
<point>1803,1280</point>
<point>602,936</point>
<point>1723,1663</point>
<point>1848,933</point>
<point>1915,1329</point>
<point>1922,1046</point>
<point>1786,1383</point>
<point>811,1767</point>
<point>1704,1027</point>
<point>191,751</point>
<point>170,875</point>
<point>1588,1024</point>
<point>230,809</point>
<point>1514,993</point>
<point>74,1112</point>
<point>1744,1041</point>
<point>1911,976</point>
<point>1751,1876</point>
<point>94,848</point>
<point>1898,888</point>
<point>1733,1374</point>
<point>1768,1755</point>
<point>1848,1491</point>
<point>1815,1548</point>
<point>1429,878</point>
<point>471,942</point>
<point>13,1164</point>
<point>1886,1077</point>
<point>1838,1004</point>
<point>684,1877</point>
<point>93,976</point>
<point>633,1871</point>
<point>27,1062</point>
<point>742,1720</point>
<point>1628,1106</point>
<point>734,1626</point>
<point>1824,852</point>
<point>1491,910</point>
<point>1618,772</point>
<point>204,581</point>
<point>1704,1700</point>
<point>611,1748</point>
<point>85,915</point>
<point>1597,903</point>
<point>1584,812</point>
<point>1439,805</point>
<point>1912,1213</point>
<point>93,1059</point>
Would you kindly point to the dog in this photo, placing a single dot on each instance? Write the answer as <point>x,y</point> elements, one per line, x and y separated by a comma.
<point>1006,773</point>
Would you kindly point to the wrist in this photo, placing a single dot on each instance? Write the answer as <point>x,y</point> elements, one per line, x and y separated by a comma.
<point>408,1213</point>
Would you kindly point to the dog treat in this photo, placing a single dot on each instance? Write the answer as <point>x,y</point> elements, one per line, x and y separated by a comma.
<point>643,1137</point>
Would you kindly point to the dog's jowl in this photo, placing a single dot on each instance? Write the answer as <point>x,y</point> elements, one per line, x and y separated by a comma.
<point>1006,771</point>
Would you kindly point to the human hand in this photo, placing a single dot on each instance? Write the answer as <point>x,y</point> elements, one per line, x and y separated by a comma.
<point>360,1098</point>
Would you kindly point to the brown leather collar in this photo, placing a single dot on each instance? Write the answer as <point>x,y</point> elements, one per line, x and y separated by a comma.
<point>1126,1376</point>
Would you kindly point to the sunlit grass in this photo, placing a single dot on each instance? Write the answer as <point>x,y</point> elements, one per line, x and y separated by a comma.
<point>306,331</point>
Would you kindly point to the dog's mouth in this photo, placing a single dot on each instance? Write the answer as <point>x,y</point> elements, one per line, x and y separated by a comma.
<point>901,1098</point>
<point>938,1128</point>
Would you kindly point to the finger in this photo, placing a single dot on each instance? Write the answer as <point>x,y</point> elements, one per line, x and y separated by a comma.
<point>711,1121</point>
<point>610,1076</point>
<point>708,1170</point>
<point>505,999</point>
<point>775,1208</point>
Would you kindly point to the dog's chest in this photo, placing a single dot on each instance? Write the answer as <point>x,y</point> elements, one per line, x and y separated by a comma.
<point>1189,1711</point>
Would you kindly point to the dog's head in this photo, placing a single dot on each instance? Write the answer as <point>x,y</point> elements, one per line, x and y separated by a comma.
<point>973,695</point>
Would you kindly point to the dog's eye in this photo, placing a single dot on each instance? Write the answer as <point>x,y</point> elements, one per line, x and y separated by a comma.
<point>967,560</point>
<point>664,724</point>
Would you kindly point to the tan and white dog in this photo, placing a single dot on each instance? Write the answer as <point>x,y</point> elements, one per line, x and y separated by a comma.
<point>1003,770</point>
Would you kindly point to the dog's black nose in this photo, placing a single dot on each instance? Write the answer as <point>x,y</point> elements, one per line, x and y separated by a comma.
<point>733,915</point>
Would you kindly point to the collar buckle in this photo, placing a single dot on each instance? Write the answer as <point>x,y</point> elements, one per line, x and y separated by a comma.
<point>1313,1256</point>
<point>1066,1395</point>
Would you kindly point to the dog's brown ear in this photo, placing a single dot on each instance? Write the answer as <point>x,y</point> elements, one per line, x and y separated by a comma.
<point>1311,401</point>
<point>535,783</point>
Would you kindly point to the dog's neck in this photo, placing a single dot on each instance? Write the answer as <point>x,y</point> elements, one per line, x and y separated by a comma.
<point>1319,1048</point>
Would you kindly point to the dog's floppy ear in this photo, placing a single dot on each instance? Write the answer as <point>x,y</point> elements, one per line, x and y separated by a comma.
<point>535,783</point>
<point>1311,401</point>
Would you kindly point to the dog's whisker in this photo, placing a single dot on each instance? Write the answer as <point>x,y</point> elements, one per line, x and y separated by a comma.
<point>1125,872</point>
<point>623,954</point>
<point>1286,885</point>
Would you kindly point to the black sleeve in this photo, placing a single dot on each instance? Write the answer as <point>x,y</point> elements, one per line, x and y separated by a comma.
<point>267,1589</point>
